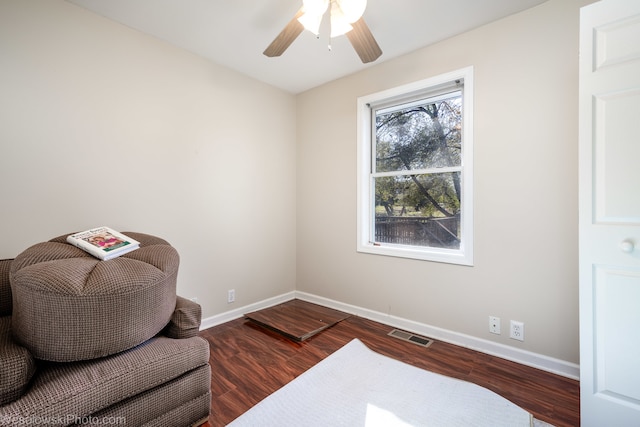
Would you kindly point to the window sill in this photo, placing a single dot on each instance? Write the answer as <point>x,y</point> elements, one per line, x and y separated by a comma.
<point>448,256</point>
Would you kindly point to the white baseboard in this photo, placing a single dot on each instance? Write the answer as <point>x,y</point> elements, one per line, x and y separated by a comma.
<point>535,360</point>
<point>228,316</point>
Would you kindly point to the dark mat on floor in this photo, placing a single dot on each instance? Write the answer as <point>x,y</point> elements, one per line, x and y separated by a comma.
<point>297,319</point>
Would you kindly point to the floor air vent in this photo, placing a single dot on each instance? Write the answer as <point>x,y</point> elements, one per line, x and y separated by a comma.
<point>407,336</point>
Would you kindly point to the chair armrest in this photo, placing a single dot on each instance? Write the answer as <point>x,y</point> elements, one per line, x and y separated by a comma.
<point>17,366</point>
<point>185,321</point>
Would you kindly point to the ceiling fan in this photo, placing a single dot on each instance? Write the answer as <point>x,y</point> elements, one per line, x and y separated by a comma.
<point>345,18</point>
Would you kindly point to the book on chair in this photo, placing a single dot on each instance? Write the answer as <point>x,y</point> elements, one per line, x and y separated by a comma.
<point>103,242</point>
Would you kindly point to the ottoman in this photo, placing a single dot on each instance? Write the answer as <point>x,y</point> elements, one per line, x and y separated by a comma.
<point>70,306</point>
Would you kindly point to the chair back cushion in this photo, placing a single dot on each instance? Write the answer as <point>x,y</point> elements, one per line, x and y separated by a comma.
<point>70,306</point>
<point>5,287</point>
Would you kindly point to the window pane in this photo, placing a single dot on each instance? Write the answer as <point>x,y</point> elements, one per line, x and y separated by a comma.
<point>422,135</point>
<point>419,210</point>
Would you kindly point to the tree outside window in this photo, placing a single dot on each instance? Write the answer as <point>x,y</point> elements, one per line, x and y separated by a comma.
<point>417,173</point>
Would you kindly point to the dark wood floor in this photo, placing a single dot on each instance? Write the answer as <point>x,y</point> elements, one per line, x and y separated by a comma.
<point>249,362</point>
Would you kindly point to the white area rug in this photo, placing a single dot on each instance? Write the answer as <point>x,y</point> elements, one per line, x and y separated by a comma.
<point>358,387</point>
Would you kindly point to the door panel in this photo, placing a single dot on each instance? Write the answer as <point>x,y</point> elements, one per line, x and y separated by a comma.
<point>614,43</point>
<point>616,160</point>
<point>617,292</point>
<point>609,156</point>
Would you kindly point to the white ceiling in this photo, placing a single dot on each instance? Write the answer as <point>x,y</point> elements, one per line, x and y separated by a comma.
<point>234,33</point>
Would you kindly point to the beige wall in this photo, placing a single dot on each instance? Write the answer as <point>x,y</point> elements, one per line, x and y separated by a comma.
<point>102,125</point>
<point>526,71</point>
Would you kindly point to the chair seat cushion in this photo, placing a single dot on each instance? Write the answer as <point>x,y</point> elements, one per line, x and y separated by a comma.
<point>70,306</point>
<point>17,367</point>
<point>83,388</point>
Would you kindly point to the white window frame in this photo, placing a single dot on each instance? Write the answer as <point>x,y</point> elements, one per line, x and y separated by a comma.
<point>366,133</point>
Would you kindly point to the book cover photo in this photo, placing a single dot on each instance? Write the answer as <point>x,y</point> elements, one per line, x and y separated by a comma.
<point>103,242</point>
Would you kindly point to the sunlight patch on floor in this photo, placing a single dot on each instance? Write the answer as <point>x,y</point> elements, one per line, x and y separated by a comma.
<point>378,417</point>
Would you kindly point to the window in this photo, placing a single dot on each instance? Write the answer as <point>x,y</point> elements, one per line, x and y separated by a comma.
<point>415,170</point>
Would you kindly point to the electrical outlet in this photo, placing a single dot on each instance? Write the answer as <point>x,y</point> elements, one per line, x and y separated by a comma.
<point>516,330</point>
<point>231,296</point>
<point>494,325</point>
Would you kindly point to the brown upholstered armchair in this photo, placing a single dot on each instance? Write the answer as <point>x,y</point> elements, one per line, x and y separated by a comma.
<point>89,342</point>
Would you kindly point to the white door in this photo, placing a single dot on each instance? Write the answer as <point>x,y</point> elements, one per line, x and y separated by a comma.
<point>610,213</point>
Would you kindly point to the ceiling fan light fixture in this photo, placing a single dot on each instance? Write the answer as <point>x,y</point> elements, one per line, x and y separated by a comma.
<point>311,22</point>
<point>313,10</point>
<point>339,23</point>
<point>343,13</point>
<point>352,10</point>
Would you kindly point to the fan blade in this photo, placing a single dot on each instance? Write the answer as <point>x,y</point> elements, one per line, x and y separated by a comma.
<point>363,42</point>
<point>283,40</point>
